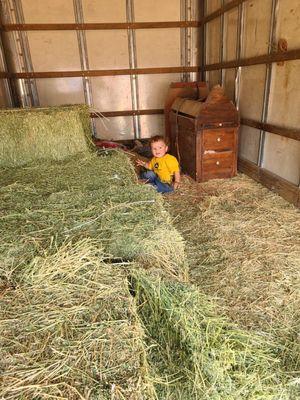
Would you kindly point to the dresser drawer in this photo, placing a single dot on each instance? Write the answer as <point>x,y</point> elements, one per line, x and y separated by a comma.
<point>219,139</point>
<point>218,165</point>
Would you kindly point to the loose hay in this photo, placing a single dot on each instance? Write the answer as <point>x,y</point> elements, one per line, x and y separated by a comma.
<point>243,245</point>
<point>196,354</point>
<point>70,331</point>
<point>52,133</point>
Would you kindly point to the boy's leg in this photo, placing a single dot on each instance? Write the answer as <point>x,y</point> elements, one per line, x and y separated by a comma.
<point>163,187</point>
<point>150,176</point>
<point>154,180</point>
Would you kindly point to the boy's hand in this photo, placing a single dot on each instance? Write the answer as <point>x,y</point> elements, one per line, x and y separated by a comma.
<point>176,180</point>
<point>176,185</point>
<point>141,163</point>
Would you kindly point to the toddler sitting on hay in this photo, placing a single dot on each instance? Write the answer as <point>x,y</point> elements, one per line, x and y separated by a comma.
<point>163,169</point>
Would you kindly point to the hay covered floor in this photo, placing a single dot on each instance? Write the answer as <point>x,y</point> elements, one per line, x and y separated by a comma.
<point>243,247</point>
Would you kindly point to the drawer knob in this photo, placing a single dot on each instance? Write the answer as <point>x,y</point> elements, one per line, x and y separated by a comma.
<point>218,162</point>
<point>219,139</point>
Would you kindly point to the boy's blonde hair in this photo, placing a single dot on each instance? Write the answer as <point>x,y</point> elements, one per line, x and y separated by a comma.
<point>159,138</point>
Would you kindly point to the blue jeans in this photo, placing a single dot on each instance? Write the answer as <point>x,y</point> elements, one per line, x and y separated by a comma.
<point>154,180</point>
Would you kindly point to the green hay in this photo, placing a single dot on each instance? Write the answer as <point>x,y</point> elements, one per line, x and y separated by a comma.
<point>94,197</point>
<point>243,246</point>
<point>196,354</point>
<point>70,330</point>
<point>53,133</point>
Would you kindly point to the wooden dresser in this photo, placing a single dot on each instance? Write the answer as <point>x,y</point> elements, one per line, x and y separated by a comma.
<point>204,136</point>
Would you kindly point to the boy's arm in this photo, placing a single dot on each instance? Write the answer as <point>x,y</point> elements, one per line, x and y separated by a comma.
<point>176,180</point>
<point>143,164</point>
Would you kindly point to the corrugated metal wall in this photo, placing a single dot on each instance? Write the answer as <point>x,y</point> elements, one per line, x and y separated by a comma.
<point>109,50</point>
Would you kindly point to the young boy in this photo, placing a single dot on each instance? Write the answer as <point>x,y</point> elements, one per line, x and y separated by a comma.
<point>163,169</point>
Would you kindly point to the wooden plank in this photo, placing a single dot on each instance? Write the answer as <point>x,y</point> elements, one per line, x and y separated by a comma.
<point>285,189</point>
<point>278,130</point>
<point>90,73</point>
<point>248,168</point>
<point>264,59</point>
<point>221,11</point>
<point>126,113</point>
<point>99,26</point>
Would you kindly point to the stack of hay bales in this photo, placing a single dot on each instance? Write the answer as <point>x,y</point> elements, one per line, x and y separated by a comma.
<point>73,229</point>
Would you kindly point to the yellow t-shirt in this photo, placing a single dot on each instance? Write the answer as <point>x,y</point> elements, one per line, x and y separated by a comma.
<point>164,167</point>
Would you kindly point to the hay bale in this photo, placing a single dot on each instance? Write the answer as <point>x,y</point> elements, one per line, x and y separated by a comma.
<point>28,135</point>
<point>196,354</point>
<point>70,330</point>
<point>94,197</point>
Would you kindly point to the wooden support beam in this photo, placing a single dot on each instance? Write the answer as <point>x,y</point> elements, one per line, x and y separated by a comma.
<point>285,189</point>
<point>126,113</point>
<point>99,26</point>
<point>278,130</point>
<point>221,11</point>
<point>264,59</point>
<point>100,72</point>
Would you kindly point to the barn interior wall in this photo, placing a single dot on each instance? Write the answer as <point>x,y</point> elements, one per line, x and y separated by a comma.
<point>265,93</point>
<point>111,52</point>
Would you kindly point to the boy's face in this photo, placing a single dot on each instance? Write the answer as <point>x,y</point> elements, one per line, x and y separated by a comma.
<point>159,148</point>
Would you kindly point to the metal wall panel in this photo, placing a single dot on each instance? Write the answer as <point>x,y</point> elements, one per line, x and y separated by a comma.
<point>70,50</point>
<point>120,128</point>
<point>4,102</point>
<point>59,91</point>
<point>111,93</point>
<point>104,10</point>
<point>152,125</point>
<point>252,88</point>
<point>212,5</point>
<point>257,27</point>
<point>107,49</point>
<point>54,50</point>
<point>229,83</point>
<point>213,40</point>
<point>282,157</point>
<point>48,11</point>
<point>288,22</point>
<point>156,10</point>
<point>249,139</point>
<point>284,108</point>
<point>158,48</point>
<point>230,35</point>
<point>153,89</point>
<point>214,78</point>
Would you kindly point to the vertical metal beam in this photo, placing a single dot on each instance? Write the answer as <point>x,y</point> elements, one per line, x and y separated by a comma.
<point>222,46</point>
<point>133,64</point>
<point>239,48</point>
<point>13,55</point>
<point>8,84</point>
<point>202,40</point>
<point>30,84</point>
<point>84,61</point>
<point>264,117</point>
<point>83,52</point>
<point>183,41</point>
<point>185,38</point>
